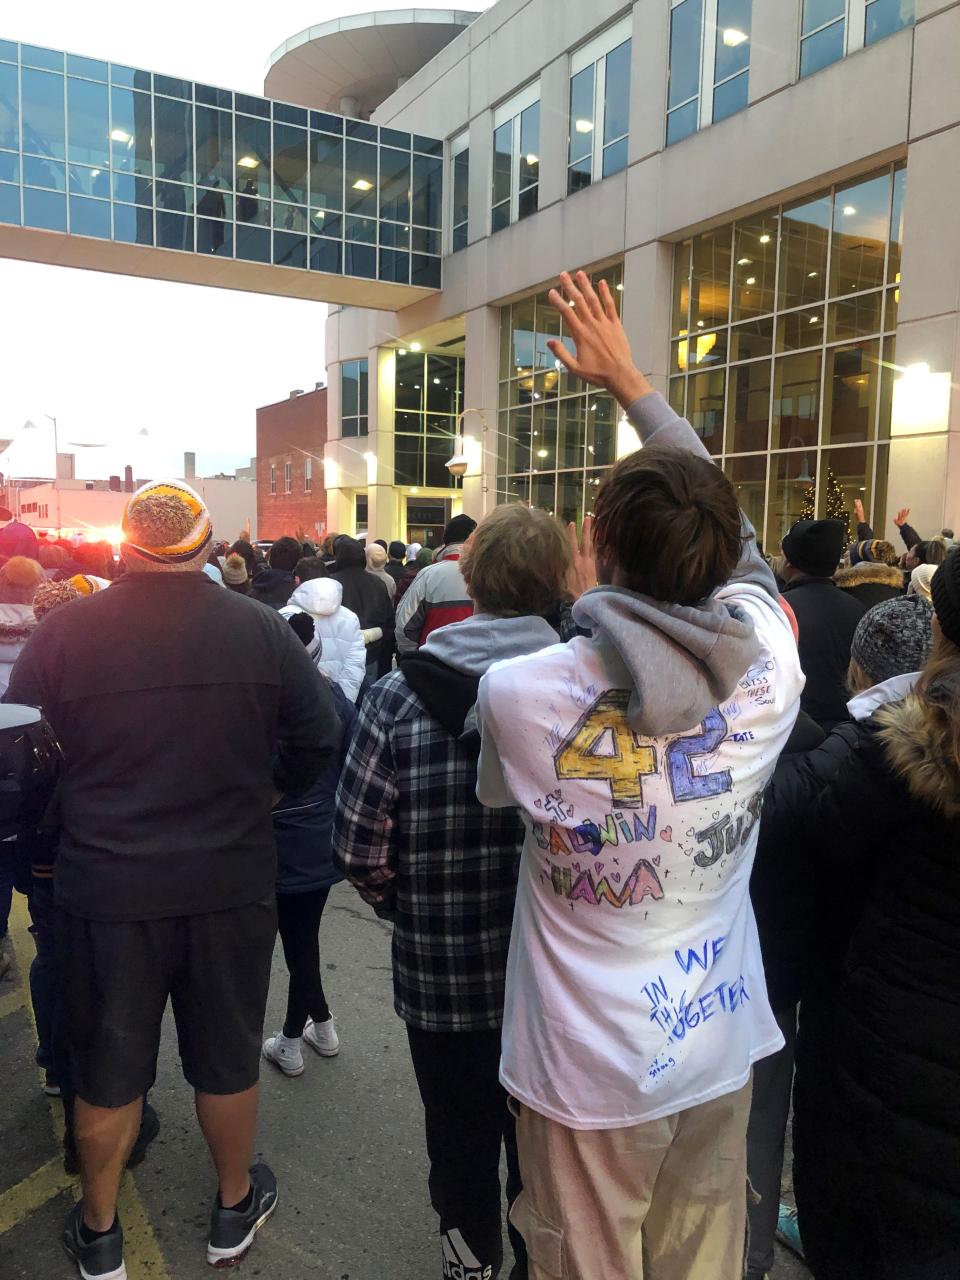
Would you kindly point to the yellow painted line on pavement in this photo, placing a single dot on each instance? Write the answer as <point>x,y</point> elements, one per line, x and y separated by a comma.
<point>142,1255</point>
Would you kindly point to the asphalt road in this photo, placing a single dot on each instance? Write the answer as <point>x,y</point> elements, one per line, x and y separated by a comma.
<point>345,1140</point>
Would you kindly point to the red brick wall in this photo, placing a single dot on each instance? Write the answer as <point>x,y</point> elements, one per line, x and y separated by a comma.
<point>286,432</point>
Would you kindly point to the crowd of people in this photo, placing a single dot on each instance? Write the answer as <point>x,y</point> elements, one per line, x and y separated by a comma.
<point>666,831</point>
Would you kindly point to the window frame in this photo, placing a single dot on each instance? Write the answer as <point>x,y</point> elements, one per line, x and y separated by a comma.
<point>273,480</point>
<point>457,146</point>
<point>707,82</point>
<point>308,475</point>
<point>594,54</point>
<point>288,477</point>
<point>854,18</point>
<point>362,367</point>
<point>511,112</point>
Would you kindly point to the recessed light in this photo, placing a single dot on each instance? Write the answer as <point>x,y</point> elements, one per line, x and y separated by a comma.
<point>811,275</point>
<point>584,126</point>
<point>542,453</point>
<point>751,279</point>
<point>848,211</point>
<point>532,160</point>
<point>402,352</point>
<point>764,239</point>
<point>416,346</point>
<point>361,184</point>
<point>436,382</point>
<point>732,36</point>
<point>814,319</point>
<point>248,162</point>
<point>743,262</point>
<point>619,288</point>
<point>119,135</point>
<point>699,324</point>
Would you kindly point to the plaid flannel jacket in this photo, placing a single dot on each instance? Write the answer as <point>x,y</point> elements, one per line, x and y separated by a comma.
<point>411,835</point>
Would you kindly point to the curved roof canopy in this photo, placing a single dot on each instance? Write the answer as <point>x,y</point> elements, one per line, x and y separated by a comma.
<point>362,57</point>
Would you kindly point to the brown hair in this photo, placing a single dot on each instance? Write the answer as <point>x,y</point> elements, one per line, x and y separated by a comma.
<point>670,522</point>
<point>517,562</point>
<point>939,692</point>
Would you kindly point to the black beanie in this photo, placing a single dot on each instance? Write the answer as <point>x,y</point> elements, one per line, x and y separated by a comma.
<point>945,592</point>
<point>815,546</point>
<point>458,530</point>
<point>397,550</point>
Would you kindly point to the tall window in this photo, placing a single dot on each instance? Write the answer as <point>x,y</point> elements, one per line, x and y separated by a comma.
<point>459,191</point>
<point>428,398</point>
<point>273,480</point>
<point>308,475</point>
<point>288,477</point>
<point>516,158</point>
<point>783,352</point>
<point>599,107</point>
<point>833,28</point>
<point>709,63</point>
<point>353,398</point>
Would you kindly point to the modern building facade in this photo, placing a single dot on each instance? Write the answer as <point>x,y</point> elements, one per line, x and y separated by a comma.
<point>291,436</point>
<point>768,186</point>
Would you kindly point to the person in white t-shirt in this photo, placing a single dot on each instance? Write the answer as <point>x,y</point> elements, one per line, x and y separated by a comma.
<point>638,757</point>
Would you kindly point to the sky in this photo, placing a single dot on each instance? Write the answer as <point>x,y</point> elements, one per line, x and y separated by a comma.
<point>110,356</point>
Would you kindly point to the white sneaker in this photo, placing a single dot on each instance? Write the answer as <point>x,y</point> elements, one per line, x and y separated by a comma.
<point>322,1036</point>
<point>284,1054</point>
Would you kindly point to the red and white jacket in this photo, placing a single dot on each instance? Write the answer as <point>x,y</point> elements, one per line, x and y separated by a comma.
<point>436,597</point>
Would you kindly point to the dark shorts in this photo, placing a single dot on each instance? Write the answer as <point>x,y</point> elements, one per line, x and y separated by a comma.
<point>118,975</point>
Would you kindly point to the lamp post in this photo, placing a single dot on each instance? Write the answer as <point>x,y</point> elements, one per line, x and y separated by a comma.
<point>56,466</point>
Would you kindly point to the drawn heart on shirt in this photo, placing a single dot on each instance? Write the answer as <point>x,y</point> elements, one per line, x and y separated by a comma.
<point>667,835</point>
<point>656,861</point>
<point>598,867</point>
<point>538,804</point>
<point>576,866</point>
<point>615,877</point>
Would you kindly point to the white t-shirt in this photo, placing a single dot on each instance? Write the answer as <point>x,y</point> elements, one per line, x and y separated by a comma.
<point>635,985</point>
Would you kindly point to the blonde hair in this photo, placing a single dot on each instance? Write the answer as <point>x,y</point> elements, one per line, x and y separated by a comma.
<point>517,562</point>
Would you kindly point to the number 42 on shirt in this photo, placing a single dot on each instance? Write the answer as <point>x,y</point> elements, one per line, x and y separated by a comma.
<point>602,746</point>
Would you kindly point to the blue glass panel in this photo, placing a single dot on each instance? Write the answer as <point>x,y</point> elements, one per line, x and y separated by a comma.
<point>822,49</point>
<point>427,191</point>
<point>429,146</point>
<point>253,106</point>
<point>289,163</point>
<point>360,260</point>
<point>289,250</point>
<point>88,122</point>
<point>44,173</point>
<point>44,209</point>
<point>682,122</point>
<point>614,158</point>
<point>290,217</point>
<point>616,112</point>
<point>252,165</point>
<point>215,237</point>
<point>132,190</point>
<point>395,138</point>
<point>9,108</point>
<point>884,17</point>
<point>215,204</point>
<point>8,51</point>
<point>425,272</point>
<point>43,123</point>
<point>33,56</point>
<point>326,172</point>
<point>9,204</point>
<point>360,129</point>
<point>131,132</point>
<point>173,139</point>
<point>326,224</point>
<point>89,217</point>
<point>325,255</point>
<point>734,21</point>
<point>731,97</point>
<point>174,196</point>
<point>132,225</point>
<point>361,230</point>
<point>84,181</point>
<point>89,68</point>
<point>212,97</point>
<point>328,123</point>
<point>394,266</point>
<point>253,243</point>
<point>360,184</point>
<point>214,147</point>
<point>9,167</point>
<point>581,117</point>
<point>283,112</point>
<point>252,211</point>
<point>130,77</point>
<point>394,184</point>
<point>174,231</point>
<point>173,88</point>
<point>686,28</point>
<point>395,236</point>
<point>818,12</point>
<point>425,240</point>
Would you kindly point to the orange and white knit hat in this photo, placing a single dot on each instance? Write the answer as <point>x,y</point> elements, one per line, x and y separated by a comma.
<point>167,524</point>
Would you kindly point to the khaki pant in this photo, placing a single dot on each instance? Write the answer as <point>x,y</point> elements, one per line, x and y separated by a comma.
<point>664,1200</point>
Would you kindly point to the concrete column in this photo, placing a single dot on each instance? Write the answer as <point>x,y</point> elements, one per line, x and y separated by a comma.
<point>774,47</point>
<point>554,125</point>
<point>382,497</point>
<point>647,282</point>
<point>648,78</point>
<point>481,392</point>
<point>481,179</point>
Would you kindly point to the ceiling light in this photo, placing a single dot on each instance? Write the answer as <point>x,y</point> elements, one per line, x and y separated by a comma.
<point>536,395</point>
<point>416,346</point>
<point>751,279</point>
<point>531,159</point>
<point>542,453</point>
<point>744,262</point>
<point>94,173</point>
<point>619,288</point>
<point>814,319</point>
<point>584,126</point>
<point>732,36</point>
<point>699,324</point>
<point>248,162</point>
<point>848,211</point>
<point>436,382</point>
<point>811,275</point>
<point>402,351</point>
<point>764,239</point>
<point>414,490</point>
<point>119,135</point>
<point>361,184</point>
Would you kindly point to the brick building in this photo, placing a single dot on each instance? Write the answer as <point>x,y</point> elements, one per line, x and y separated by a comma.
<point>290,439</point>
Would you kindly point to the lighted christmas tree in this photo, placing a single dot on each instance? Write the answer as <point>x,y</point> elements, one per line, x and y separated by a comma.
<point>836,501</point>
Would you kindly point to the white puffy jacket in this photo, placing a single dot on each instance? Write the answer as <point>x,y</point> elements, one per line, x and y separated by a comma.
<point>341,654</point>
<point>17,622</point>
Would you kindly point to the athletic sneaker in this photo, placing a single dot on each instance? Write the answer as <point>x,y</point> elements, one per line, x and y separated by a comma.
<point>100,1260</point>
<point>50,1086</point>
<point>788,1231</point>
<point>232,1230</point>
<point>284,1053</point>
<point>322,1036</point>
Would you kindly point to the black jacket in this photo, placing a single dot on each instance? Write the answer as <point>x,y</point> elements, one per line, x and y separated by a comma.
<point>878,807</point>
<point>181,709</point>
<point>827,618</point>
<point>364,594</point>
<point>870,584</point>
<point>273,587</point>
<point>395,568</point>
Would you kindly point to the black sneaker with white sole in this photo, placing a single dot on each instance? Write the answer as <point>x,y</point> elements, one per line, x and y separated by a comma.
<point>232,1230</point>
<point>102,1259</point>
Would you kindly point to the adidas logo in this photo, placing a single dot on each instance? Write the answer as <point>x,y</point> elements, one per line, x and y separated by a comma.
<point>459,1261</point>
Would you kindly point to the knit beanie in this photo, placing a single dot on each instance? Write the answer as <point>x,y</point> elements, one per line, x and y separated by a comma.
<point>920,580</point>
<point>18,539</point>
<point>945,593</point>
<point>893,638</point>
<point>166,525</point>
<point>397,550</point>
<point>235,570</point>
<point>19,579</point>
<point>50,595</point>
<point>85,584</point>
<point>815,546</point>
<point>376,557</point>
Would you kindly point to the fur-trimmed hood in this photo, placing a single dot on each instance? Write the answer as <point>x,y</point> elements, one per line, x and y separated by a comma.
<point>912,746</point>
<point>869,575</point>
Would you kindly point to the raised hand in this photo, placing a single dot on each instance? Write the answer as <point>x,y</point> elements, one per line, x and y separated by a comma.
<point>858,511</point>
<point>902,516</point>
<point>603,355</point>
<point>583,574</point>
